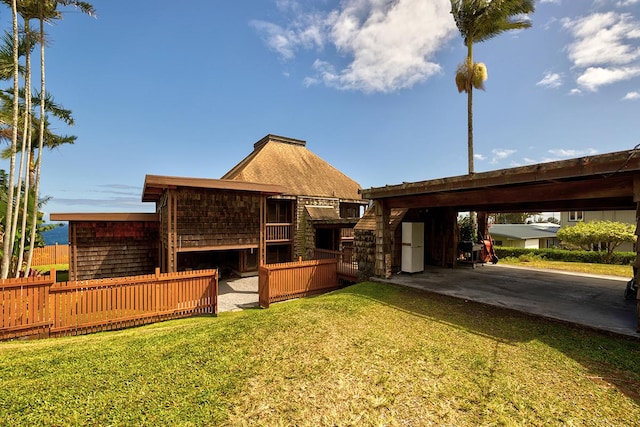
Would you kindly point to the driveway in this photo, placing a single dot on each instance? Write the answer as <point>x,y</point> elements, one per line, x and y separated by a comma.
<point>237,293</point>
<point>592,301</point>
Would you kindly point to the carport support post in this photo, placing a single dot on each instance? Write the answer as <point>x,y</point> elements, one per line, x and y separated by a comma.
<point>383,238</point>
<point>636,264</point>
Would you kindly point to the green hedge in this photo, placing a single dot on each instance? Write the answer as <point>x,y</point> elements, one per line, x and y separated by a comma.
<point>618,258</point>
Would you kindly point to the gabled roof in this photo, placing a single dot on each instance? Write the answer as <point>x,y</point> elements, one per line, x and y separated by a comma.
<point>287,162</point>
<point>524,231</point>
<point>368,220</point>
<point>154,185</point>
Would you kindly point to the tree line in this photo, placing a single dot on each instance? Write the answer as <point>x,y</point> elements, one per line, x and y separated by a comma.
<point>24,125</point>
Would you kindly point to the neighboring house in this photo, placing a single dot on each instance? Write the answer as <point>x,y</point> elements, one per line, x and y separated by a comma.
<point>277,204</point>
<point>626,216</point>
<point>529,236</point>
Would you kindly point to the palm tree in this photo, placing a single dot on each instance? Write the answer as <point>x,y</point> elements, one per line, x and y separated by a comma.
<point>48,11</point>
<point>477,21</point>
<point>6,244</point>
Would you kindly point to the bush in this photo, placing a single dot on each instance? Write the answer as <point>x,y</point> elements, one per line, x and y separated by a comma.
<point>593,257</point>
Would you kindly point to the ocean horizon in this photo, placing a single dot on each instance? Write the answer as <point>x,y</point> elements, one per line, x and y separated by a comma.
<point>59,235</point>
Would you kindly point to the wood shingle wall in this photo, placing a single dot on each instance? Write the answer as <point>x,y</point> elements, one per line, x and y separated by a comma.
<point>217,218</point>
<point>112,249</point>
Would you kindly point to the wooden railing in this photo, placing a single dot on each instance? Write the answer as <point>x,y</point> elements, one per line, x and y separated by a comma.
<point>280,282</point>
<point>51,254</point>
<point>279,232</point>
<point>347,265</point>
<point>40,307</point>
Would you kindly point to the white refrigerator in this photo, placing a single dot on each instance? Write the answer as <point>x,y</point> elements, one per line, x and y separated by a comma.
<point>412,247</point>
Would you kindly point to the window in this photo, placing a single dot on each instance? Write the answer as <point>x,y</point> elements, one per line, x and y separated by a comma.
<point>278,211</point>
<point>576,216</point>
<point>349,210</point>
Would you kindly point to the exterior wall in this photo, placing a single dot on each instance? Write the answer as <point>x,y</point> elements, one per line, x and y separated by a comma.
<point>103,249</point>
<point>206,219</point>
<point>305,237</point>
<point>628,217</point>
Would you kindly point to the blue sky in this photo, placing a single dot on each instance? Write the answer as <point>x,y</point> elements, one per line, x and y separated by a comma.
<point>186,88</point>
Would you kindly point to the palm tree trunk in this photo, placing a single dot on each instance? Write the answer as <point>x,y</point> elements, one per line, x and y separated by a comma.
<point>36,188</point>
<point>26,150</point>
<point>472,214</point>
<point>470,128</point>
<point>7,244</point>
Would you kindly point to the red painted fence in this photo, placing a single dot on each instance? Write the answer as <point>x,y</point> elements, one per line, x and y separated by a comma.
<point>40,307</point>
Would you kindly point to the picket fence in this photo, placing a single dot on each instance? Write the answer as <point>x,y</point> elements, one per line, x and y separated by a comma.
<point>39,307</point>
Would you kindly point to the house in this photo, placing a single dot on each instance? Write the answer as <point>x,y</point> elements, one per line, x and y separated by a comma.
<point>530,236</point>
<point>277,204</point>
<point>320,207</point>
<point>570,218</point>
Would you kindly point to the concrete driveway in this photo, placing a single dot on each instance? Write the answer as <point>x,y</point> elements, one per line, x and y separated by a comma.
<point>593,301</point>
<point>237,293</point>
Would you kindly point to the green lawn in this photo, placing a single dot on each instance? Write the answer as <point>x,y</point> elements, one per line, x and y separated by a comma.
<point>577,267</point>
<point>369,354</point>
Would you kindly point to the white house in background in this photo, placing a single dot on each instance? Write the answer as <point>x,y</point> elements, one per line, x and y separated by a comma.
<point>529,236</point>
<point>628,217</point>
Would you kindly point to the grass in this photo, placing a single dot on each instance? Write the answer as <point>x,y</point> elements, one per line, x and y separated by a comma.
<point>369,354</point>
<point>578,267</point>
<point>62,271</point>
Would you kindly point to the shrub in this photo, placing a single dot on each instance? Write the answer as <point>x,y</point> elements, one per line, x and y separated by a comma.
<point>593,257</point>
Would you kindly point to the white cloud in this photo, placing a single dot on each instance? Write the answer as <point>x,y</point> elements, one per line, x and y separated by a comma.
<point>551,80</point>
<point>626,3</point>
<point>605,48</point>
<point>594,77</point>
<point>389,45</point>
<point>564,153</point>
<point>479,157</point>
<point>500,154</point>
<point>551,1</point>
<point>631,96</point>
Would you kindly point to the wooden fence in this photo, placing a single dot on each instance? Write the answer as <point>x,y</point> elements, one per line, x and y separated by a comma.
<point>51,254</point>
<point>280,282</point>
<point>347,265</point>
<point>40,307</point>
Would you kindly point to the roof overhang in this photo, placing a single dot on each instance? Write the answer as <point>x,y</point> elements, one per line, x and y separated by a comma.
<point>155,185</point>
<point>78,217</point>
<point>603,182</point>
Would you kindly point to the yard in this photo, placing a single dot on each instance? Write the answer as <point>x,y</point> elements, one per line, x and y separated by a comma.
<point>369,354</point>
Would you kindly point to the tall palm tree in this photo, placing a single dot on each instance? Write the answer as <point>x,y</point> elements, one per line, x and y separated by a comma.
<point>6,244</point>
<point>48,11</point>
<point>477,21</point>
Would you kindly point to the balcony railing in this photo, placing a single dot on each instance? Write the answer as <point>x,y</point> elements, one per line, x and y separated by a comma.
<point>279,232</point>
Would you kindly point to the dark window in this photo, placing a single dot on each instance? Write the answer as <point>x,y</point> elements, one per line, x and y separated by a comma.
<point>278,253</point>
<point>279,211</point>
<point>349,210</point>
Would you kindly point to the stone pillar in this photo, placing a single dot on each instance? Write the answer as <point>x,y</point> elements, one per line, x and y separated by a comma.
<point>383,237</point>
<point>636,264</point>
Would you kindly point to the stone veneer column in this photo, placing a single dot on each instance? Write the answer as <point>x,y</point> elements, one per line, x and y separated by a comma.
<point>383,238</point>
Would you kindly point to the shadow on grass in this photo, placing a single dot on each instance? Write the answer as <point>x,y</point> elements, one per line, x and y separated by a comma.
<point>608,358</point>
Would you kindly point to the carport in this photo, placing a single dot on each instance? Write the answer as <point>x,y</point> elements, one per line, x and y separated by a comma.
<point>602,182</point>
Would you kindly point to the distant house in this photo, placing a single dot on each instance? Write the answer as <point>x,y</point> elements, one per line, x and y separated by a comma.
<point>530,236</point>
<point>570,218</point>
<point>277,204</point>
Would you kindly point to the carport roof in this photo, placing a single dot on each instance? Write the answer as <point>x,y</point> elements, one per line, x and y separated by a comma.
<point>602,182</point>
